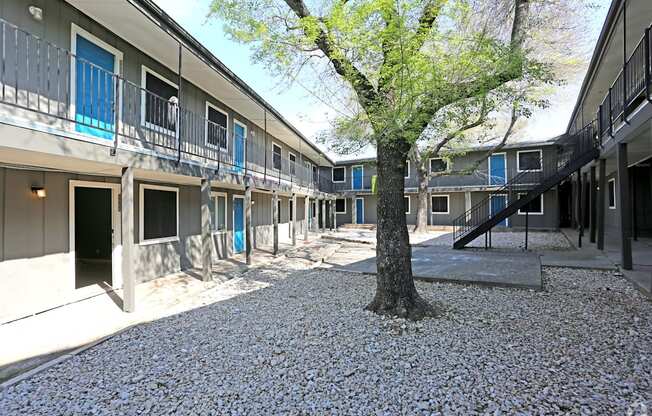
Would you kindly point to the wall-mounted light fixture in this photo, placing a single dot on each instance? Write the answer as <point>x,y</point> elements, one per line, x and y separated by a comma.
<point>36,13</point>
<point>39,191</point>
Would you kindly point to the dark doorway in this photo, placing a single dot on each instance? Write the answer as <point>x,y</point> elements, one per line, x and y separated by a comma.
<point>93,232</point>
<point>565,204</point>
<point>641,194</point>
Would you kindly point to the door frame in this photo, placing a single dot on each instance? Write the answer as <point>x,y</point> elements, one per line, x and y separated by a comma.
<point>237,122</point>
<point>491,197</point>
<point>356,209</point>
<point>361,177</point>
<point>244,222</point>
<point>117,70</point>
<point>504,154</point>
<point>116,227</point>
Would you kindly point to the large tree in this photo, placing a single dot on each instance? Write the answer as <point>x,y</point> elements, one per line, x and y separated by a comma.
<point>398,63</point>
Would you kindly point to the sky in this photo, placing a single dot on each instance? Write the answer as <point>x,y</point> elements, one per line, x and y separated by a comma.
<point>310,116</point>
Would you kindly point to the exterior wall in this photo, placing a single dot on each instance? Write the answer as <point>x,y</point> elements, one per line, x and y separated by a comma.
<point>549,219</point>
<point>345,218</point>
<point>455,209</point>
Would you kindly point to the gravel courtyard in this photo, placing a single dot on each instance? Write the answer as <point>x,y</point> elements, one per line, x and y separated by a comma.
<point>301,344</point>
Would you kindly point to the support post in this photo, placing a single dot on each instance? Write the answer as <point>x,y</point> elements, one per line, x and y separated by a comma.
<point>354,214</point>
<point>580,221</point>
<point>335,214</point>
<point>275,220</point>
<point>206,255</point>
<point>602,190</point>
<point>294,219</point>
<point>527,226</point>
<point>248,233</point>
<point>592,202</point>
<point>625,207</point>
<point>331,211</point>
<point>306,214</point>
<point>128,245</point>
<point>323,215</point>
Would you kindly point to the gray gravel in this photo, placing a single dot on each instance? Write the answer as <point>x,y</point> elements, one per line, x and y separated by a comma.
<point>303,345</point>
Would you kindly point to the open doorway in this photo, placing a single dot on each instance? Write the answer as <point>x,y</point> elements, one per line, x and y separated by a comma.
<point>565,204</point>
<point>94,228</point>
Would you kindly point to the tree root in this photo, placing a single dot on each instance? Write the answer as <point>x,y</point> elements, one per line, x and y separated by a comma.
<point>413,307</point>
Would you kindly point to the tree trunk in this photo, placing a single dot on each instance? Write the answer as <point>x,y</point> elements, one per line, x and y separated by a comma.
<point>422,198</point>
<point>396,294</point>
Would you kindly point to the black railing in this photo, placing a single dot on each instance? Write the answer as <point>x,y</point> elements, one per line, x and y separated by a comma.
<point>518,186</point>
<point>631,87</point>
<point>80,97</point>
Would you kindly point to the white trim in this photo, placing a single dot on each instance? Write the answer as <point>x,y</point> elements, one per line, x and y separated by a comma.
<point>340,212</point>
<point>408,169</point>
<point>117,69</point>
<point>332,174</point>
<point>448,205</point>
<point>506,203</point>
<point>274,144</point>
<point>216,194</point>
<point>489,168</point>
<point>409,204</point>
<point>141,214</point>
<point>116,227</point>
<point>609,182</point>
<point>352,169</point>
<point>518,160</point>
<point>356,210</point>
<point>244,222</point>
<point>290,163</point>
<point>437,158</point>
<point>244,138</point>
<point>144,70</point>
<point>216,108</point>
<point>531,213</point>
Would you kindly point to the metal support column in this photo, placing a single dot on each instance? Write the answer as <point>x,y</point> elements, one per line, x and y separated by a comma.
<point>624,207</point>
<point>248,233</point>
<point>602,191</point>
<point>293,223</point>
<point>592,203</point>
<point>527,226</point>
<point>580,221</point>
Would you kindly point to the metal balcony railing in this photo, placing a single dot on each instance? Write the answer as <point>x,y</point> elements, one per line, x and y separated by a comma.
<point>49,85</point>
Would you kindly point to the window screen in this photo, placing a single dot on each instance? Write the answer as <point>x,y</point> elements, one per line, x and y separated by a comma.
<point>338,174</point>
<point>533,207</point>
<point>530,160</point>
<point>159,109</point>
<point>437,165</point>
<point>159,214</point>
<point>439,204</point>
<point>340,206</point>
<point>218,212</point>
<point>217,128</point>
<point>276,157</point>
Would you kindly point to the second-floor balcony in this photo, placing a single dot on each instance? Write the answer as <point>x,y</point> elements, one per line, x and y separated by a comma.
<point>83,95</point>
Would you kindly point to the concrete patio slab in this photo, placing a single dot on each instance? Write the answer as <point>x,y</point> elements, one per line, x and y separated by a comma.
<point>577,259</point>
<point>439,264</point>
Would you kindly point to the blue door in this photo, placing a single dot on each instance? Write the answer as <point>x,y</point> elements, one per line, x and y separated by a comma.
<point>359,211</point>
<point>356,177</point>
<point>238,147</point>
<point>497,169</point>
<point>238,225</point>
<point>94,90</point>
<point>498,203</point>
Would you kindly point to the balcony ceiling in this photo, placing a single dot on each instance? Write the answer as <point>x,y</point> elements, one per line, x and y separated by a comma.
<point>639,16</point>
<point>141,30</point>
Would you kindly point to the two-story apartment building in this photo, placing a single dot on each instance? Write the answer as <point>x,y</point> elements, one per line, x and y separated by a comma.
<point>129,151</point>
<point>455,185</point>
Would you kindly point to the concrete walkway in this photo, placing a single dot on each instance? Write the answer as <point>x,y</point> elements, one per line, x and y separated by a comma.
<point>43,337</point>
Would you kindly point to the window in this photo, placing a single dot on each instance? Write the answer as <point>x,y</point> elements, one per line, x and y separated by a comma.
<point>339,174</point>
<point>293,164</point>
<point>438,165</point>
<point>216,126</point>
<point>406,173</point>
<point>406,201</point>
<point>276,156</point>
<point>306,165</point>
<point>158,213</point>
<point>315,174</point>
<point>611,187</point>
<point>528,160</point>
<point>160,101</point>
<point>218,211</point>
<point>534,207</point>
<point>439,204</point>
<point>340,206</point>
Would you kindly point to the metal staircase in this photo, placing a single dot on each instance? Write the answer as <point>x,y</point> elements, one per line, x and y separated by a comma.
<point>576,151</point>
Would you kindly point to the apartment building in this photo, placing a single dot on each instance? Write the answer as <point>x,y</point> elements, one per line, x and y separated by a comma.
<point>130,152</point>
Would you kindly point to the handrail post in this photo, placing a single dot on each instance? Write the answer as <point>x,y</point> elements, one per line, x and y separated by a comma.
<point>648,69</point>
<point>116,115</point>
<point>611,122</point>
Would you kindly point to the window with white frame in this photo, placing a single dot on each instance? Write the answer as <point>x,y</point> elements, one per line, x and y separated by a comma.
<point>339,174</point>
<point>528,160</point>
<point>439,204</point>
<point>158,213</point>
<point>340,206</point>
<point>438,165</point>
<point>534,207</point>
<point>293,163</point>
<point>276,156</point>
<point>611,187</point>
<point>160,102</point>
<point>406,172</point>
<point>218,211</point>
<point>216,126</point>
<point>406,202</point>
<point>315,173</point>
